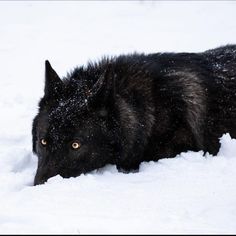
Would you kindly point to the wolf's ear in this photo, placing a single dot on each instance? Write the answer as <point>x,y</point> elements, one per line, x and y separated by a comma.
<point>102,92</point>
<point>100,83</point>
<point>104,83</point>
<point>53,83</point>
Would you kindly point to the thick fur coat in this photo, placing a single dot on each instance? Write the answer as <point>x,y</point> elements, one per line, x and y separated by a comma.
<point>133,108</point>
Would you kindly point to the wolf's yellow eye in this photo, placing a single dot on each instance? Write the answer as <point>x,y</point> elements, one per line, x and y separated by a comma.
<point>75,145</point>
<point>43,142</point>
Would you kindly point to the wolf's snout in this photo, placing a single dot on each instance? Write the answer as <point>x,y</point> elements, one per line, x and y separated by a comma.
<point>43,174</point>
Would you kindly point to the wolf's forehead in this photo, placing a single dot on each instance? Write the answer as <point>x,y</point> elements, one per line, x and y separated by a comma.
<point>64,109</point>
<point>58,131</point>
<point>48,123</point>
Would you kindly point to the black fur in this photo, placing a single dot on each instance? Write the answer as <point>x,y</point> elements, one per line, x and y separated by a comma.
<point>134,108</point>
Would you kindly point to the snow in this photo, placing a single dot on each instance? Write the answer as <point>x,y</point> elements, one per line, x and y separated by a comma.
<point>191,193</point>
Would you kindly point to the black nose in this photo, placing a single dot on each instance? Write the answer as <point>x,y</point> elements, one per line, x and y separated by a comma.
<point>39,180</point>
<point>46,170</point>
<point>42,175</point>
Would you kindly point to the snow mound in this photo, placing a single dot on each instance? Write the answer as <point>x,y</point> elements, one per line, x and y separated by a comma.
<point>191,193</point>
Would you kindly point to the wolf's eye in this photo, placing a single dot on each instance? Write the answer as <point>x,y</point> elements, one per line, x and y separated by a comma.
<point>75,145</point>
<point>43,142</point>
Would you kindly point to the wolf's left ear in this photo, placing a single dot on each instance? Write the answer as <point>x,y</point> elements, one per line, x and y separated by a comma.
<point>104,83</point>
<point>53,83</point>
<point>102,92</point>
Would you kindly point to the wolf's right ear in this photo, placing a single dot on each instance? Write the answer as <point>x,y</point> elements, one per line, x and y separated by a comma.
<point>53,83</point>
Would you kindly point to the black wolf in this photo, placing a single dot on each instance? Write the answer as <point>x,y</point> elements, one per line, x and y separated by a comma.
<point>132,108</point>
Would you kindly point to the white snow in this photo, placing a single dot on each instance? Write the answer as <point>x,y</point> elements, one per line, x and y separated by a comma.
<point>191,193</point>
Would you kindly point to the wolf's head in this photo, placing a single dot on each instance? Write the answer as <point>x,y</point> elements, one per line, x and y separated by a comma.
<point>75,130</point>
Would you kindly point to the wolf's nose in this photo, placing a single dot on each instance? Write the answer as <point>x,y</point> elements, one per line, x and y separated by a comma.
<point>38,181</point>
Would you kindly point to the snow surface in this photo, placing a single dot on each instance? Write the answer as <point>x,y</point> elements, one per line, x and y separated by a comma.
<point>191,193</point>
